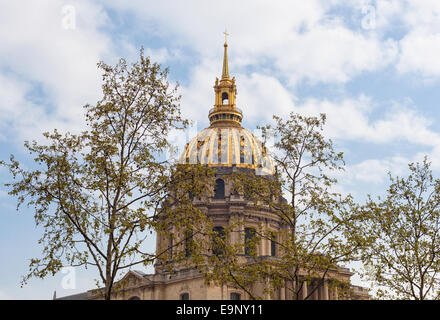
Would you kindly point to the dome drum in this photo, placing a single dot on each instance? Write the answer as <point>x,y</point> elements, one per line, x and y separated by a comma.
<point>227,115</point>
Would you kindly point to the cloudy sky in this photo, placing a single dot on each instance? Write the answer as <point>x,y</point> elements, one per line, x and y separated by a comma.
<point>372,66</point>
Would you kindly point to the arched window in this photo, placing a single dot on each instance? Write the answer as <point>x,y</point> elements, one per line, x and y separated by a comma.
<point>225,97</point>
<point>235,296</point>
<point>219,236</point>
<point>219,189</point>
<point>171,248</point>
<point>134,298</point>
<point>249,234</point>
<point>188,242</point>
<point>273,244</point>
<point>184,296</point>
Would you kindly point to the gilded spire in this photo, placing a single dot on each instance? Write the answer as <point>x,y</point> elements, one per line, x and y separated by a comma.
<point>225,74</point>
<point>225,113</point>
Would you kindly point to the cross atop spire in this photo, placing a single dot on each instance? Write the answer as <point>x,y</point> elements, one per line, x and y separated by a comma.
<point>226,36</point>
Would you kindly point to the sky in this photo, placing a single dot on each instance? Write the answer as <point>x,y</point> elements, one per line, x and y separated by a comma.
<point>371,66</point>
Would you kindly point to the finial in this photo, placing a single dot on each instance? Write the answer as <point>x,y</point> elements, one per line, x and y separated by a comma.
<point>226,36</point>
<point>225,73</point>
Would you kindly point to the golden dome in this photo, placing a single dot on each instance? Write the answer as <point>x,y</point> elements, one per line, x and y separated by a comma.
<point>228,147</point>
<point>225,143</point>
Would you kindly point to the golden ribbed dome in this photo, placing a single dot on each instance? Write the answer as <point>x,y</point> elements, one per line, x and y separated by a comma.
<point>225,143</point>
<point>227,147</point>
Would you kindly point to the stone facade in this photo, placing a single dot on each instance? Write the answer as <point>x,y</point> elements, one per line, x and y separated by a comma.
<point>189,284</point>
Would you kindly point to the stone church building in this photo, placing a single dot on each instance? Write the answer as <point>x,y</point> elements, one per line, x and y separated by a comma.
<point>221,146</point>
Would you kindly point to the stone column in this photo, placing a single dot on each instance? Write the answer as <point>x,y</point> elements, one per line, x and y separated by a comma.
<point>266,247</point>
<point>236,235</point>
<point>241,236</point>
<point>282,292</point>
<point>260,248</point>
<point>315,291</point>
<point>335,293</point>
<point>267,296</point>
<point>324,291</point>
<point>304,290</point>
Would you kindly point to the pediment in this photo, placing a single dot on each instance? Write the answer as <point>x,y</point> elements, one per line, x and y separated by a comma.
<point>132,279</point>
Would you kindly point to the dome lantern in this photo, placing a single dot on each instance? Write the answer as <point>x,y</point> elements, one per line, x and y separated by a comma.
<point>225,112</point>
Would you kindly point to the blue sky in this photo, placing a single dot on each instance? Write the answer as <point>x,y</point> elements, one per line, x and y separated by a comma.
<point>371,66</point>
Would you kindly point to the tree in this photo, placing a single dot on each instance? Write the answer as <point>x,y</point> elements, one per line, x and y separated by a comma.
<point>100,193</point>
<point>316,223</point>
<point>404,229</point>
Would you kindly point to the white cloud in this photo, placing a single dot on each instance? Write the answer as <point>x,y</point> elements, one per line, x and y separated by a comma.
<point>349,119</point>
<point>198,96</point>
<point>413,26</point>
<point>422,13</point>
<point>332,54</point>
<point>375,170</point>
<point>296,38</point>
<point>44,59</point>
<point>162,55</point>
<point>420,50</point>
<point>260,96</point>
<point>419,46</point>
